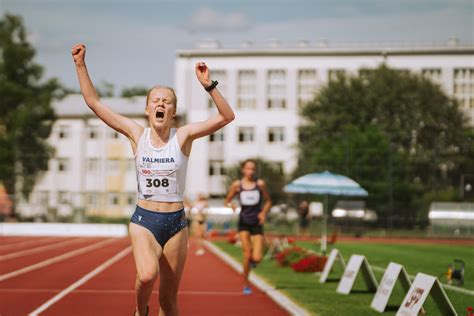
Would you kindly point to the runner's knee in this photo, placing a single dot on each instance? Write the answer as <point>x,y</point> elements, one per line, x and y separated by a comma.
<point>147,277</point>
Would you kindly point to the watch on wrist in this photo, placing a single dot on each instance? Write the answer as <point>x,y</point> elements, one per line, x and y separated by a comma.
<point>212,86</point>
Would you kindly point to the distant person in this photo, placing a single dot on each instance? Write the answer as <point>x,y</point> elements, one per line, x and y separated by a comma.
<point>252,193</point>
<point>304,218</point>
<point>158,228</point>
<point>199,222</point>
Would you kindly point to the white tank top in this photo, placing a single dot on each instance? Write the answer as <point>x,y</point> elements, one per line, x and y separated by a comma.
<point>161,172</point>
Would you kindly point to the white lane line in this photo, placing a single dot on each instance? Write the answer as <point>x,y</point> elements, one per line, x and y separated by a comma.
<point>446,286</point>
<point>47,262</point>
<point>81,281</point>
<point>128,292</point>
<point>23,243</point>
<point>278,297</point>
<point>39,249</point>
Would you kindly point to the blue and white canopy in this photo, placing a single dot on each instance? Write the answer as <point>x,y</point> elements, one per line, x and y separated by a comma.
<point>325,183</point>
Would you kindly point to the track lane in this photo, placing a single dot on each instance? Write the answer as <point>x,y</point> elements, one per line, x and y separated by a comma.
<point>208,287</point>
<point>14,264</point>
<point>25,243</point>
<point>40,285</point>
<point>39,249</point>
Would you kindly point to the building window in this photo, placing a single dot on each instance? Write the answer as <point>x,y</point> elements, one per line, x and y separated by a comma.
<point>277,166</point>
<point>63,131</point>
<point>93,199</point>
<point>247,89</point>
<point>216,167</point>
<point>333,74</point>
<point>307,85</point>
<point>218,136</point>
<point>63,164</point>
<point>221,77</point>
<point>464,87</point>
<point>131,198</point>
<point>433,74</point>
<point>113,134</point>
<point>276,134</point>
<point>276,89</point>
<point>276,103</point>
<point>112,199</point>
<point>64,197</point>
<point>42,198</point>
<point>113,167</point>
<point>93,132</point>
<point>246,134</point>
<point>93,165</point>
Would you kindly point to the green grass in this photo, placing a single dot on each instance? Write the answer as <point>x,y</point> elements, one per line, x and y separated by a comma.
<point>322,299</point>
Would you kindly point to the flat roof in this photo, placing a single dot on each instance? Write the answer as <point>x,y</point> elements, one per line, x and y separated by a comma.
<point>323,51</point>
<point>74,106</point>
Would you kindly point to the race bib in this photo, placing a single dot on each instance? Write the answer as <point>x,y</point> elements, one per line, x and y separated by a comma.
<point>250,197</point>
<point>154,181</point>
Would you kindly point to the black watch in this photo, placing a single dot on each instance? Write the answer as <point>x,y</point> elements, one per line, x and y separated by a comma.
<point>212,86</point>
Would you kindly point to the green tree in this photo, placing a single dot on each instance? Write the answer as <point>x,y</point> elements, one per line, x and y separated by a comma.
<point>26,115</point>
<point>134,91</point>
<point>270,172</point>
<point>395,132</point>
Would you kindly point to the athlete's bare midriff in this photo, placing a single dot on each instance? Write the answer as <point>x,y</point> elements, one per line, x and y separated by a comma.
<point>160,206</point>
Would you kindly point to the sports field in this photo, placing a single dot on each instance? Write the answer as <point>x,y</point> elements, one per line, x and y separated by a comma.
<point>322,299</point>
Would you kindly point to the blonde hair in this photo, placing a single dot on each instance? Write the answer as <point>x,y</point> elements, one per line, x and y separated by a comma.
<point>175,99</point>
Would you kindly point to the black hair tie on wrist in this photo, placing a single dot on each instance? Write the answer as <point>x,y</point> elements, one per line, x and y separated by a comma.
<point>212,86</point>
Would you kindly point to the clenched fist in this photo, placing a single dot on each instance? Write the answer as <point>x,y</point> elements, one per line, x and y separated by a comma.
<point>78,53</point>
<point>202,73</point>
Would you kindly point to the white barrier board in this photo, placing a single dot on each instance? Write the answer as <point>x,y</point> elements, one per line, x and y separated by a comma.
<point>422,286</point>
<point>63,229</point>
<point>393,273</point>
<point>334,256</point>
<point>276,245</point>
<point>356,263</point>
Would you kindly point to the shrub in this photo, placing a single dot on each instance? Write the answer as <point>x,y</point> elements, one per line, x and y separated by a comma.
<point>310,263</point>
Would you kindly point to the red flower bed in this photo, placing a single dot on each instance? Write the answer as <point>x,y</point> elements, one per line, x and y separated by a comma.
<point>290,255</point>
<point>212,233</point>
<point>232,236</point>
<point>310,263</point>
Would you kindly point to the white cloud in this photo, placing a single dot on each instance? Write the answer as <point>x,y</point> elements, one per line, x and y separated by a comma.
<point>209,20</point>
<point>430,26</point>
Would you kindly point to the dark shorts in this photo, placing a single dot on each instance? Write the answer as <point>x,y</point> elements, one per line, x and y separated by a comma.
<point>163,225</point>
<point>304,222</point>
<point>253,229</point>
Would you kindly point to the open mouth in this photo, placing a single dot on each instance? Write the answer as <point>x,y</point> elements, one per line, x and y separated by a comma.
<point>160,115</point>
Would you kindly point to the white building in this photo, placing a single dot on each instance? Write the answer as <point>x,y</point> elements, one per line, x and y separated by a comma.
<point>93,169</point>
<point>265,86</point>
<point>93,172</point>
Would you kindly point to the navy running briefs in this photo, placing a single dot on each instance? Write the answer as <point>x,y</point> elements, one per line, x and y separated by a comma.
<point>163,225</point>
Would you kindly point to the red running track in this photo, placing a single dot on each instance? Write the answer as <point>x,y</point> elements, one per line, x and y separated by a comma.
<point>208,287</point>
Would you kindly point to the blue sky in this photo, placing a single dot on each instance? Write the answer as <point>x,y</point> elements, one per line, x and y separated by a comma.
<point>134,42</point>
